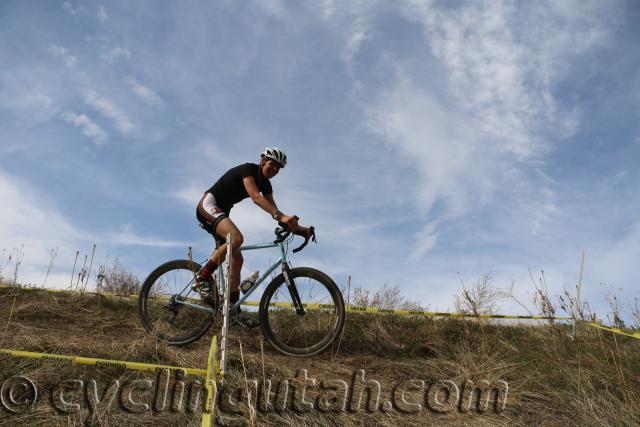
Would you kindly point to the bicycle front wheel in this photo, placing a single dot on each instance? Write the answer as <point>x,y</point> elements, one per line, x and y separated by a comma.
<point>304,332</point>
<point>170,309</point>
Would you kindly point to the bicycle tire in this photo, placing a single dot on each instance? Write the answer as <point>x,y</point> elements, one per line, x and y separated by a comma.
<point>324,323</point>
<point>154,304</point>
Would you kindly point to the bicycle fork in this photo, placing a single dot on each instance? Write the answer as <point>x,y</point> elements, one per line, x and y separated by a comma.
<point>293,291</point>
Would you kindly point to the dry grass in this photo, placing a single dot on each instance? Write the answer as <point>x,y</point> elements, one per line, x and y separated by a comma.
<point>553,380</point>
<point>117,279</point>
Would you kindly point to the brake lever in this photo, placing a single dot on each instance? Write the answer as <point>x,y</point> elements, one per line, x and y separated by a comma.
<point>312,235</point>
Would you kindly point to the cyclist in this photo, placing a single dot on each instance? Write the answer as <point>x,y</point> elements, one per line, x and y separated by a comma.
<point>238,183</point>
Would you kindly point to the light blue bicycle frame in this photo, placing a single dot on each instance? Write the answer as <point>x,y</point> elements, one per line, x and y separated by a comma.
<point>223,284</point>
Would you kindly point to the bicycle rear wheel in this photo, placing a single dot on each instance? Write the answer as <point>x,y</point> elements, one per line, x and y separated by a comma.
<point>302,333</point>
<point>159,305</point>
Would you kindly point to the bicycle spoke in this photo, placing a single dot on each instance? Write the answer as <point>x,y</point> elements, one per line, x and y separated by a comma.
<point>160,309</point>
<point>310,290</point>
<point>290,334</point>
<point>308,333</point>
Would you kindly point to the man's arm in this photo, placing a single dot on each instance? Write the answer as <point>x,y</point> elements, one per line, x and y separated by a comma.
<point>265,202</point>
<point>269,197</point>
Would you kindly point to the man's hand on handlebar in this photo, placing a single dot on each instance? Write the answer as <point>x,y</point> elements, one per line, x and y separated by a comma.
<point>295,228</point>
<point>291,221</point>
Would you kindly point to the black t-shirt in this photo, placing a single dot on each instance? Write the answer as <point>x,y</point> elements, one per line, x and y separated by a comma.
<point>229,189</point>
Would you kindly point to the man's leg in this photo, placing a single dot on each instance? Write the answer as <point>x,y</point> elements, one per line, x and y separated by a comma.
<point>225,227</point>
<point>212,263</point>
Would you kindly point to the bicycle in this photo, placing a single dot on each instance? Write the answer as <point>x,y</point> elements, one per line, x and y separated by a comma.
<point>301,311</point>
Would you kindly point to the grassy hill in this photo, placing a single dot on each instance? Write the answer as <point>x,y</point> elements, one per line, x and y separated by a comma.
<point>421,366</point>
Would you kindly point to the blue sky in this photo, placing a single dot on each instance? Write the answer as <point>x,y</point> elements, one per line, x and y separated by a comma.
<point>429,142</point>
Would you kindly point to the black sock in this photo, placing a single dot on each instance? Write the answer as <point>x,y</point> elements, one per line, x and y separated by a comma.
<point>234,296</point>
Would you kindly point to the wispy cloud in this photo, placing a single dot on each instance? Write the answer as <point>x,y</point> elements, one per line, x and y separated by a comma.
<point>439,144</point>
<point>189,195</point>
<point>127,236</point>
<point>22,98</point>
<point>102,14</point>
<point>328,9</point>
<point>503,64</point>
<point>89,127</point>
<point>30,218</point>
<point>358,34</point>
<point>61,52</point>
<point>108,109</point>
<point>502,112</point>
<point>425,240</point>
<point>73,10</point>
<point>147,95</point>
<point>273,7</point>
<point>115,54</point>
<point>618,261</point>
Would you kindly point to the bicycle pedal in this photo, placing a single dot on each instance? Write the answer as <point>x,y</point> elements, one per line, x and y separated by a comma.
<point>233,322</point>
<point>244,324</point>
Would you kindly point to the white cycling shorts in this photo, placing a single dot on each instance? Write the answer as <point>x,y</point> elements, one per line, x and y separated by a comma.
<point>208,207</point>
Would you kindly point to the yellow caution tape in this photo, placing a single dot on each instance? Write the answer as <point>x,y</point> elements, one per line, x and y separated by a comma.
<point>102,362</point>
<point>208,413</point>
<point>354,308</point>
<point>443,314</point>
<point>614,330</point>
<point>358,309</point>
<point>209,410</point>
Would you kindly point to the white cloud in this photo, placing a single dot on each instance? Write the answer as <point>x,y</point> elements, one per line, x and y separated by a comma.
<point>110,110</point>
<point>546,209</point>
<point>190,190</point>
<point>115,54</point>
<point>357,35</point>
<point>27,99</point>
<point>33,221</point>
<point>61,52</point>
<point>189,195</point>
<point>88,127</point>
<point>30,218</point>
<point>147,95</point>
<point>425,240</point>
<point>127,236</point>
<point>273,7</point>
<point>102,14</point>
<point>494,125</point>
<point>328,9</point>
<point>617,264</point>
<point>438,142</point>
<point>73,10</point>
<point>503,64</point>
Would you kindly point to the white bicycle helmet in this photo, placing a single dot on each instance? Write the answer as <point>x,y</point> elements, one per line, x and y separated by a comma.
<point>275,154</point>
